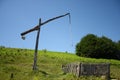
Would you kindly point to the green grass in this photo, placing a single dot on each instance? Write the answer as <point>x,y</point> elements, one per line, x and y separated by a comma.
<point>20,62</point>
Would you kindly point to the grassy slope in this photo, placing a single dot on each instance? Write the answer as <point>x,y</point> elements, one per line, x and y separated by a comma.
<point>20,61</point>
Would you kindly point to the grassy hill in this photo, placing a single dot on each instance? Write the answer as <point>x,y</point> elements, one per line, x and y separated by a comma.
<point>19,62</point>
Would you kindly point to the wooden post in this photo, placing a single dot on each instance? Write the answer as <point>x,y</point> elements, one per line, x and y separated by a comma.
<point>36,47</point>
<point>11,77</point>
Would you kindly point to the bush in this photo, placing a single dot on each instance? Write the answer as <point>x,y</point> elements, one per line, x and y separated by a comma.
<point>97,47</point>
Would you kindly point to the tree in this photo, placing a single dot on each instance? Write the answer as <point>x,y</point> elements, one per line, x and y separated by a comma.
<point>109,48</point>
<point>96,47</point>
<point>86,47</point>
<point>118,46</point>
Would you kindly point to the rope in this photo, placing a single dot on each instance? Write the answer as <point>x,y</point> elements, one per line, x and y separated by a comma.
<point>70,28</point>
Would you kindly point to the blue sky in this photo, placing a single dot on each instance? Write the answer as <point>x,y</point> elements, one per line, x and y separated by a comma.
<point>99,17</point>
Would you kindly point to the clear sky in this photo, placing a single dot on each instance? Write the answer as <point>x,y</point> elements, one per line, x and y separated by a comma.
<point>99,17</point>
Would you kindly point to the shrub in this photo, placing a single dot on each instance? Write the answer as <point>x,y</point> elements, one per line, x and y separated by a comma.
<point>97,47</point>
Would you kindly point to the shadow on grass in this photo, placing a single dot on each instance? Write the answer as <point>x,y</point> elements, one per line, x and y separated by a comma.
<point>43,72</point>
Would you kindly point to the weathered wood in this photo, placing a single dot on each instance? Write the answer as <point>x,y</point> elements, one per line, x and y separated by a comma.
<point>88,69</point>
<point>36,47</point>
<point>38,26</point>
<point>72,68</point>
<point>99,69</point>
<point>37,38</point>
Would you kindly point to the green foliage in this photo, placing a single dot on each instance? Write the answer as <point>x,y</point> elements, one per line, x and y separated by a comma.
<point>97,47</point>
<point>19,63</point>
<point>118,46</point>
<point>86,46</point>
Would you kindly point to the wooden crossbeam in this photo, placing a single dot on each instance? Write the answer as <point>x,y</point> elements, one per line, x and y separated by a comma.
<point>37,27</point>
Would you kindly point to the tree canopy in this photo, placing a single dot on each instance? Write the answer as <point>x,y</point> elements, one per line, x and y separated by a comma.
<point>98,47</point>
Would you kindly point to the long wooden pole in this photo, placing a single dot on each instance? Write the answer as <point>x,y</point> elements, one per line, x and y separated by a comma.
<point>37,27</point>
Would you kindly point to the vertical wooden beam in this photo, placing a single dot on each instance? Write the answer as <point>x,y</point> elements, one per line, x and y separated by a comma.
<point>36,47</point>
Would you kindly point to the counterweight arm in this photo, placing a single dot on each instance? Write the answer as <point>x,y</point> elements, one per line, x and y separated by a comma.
<point>38,26</point>
<point>54,18</point>
<point>30,30</point>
